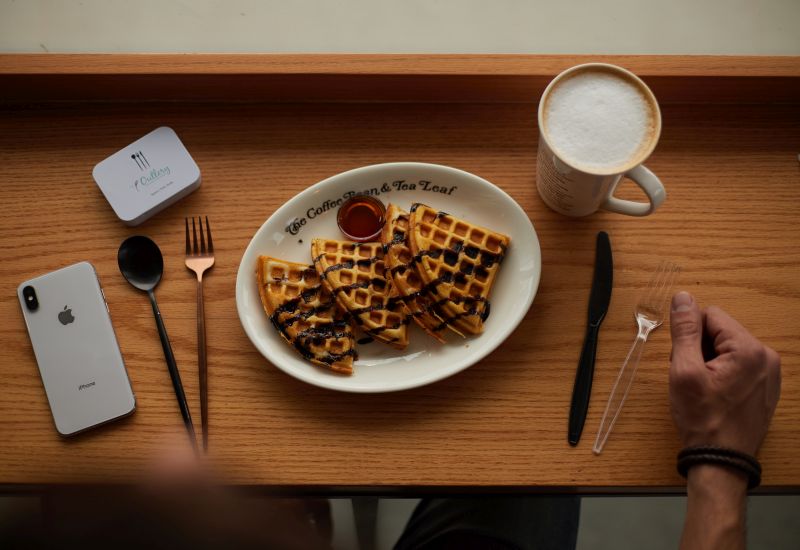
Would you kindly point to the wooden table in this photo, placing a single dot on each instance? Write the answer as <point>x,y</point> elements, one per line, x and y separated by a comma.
<point>731,219</point>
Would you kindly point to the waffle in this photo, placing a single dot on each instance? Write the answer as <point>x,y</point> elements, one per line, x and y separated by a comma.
<point>305,313</point>
<point>400,263</point>
<point>354,273</point>
<point>458,261</point>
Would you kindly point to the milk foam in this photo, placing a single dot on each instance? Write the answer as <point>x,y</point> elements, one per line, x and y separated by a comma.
<point>597,120</point>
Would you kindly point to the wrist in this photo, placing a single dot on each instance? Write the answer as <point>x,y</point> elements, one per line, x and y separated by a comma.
<point>734,460</point>
<point>716,480</point>
<point>716,508</point>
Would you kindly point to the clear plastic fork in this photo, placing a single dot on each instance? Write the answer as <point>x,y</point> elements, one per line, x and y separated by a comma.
<point>650,312</point>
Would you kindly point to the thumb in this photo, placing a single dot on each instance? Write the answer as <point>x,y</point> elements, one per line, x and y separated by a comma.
<point>686,327</point>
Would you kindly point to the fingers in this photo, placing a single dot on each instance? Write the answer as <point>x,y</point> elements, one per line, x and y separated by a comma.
<point>686,327</point>
<point>723,329</point>
<point>773,363</point>
<point>730,337</point>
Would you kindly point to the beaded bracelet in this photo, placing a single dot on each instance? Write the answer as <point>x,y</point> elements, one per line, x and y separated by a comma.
<point>709,454</point>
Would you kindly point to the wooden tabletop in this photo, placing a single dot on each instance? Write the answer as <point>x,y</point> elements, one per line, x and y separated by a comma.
<point>730,220</point>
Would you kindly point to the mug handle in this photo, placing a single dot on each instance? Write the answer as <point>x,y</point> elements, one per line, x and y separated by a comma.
<point>652,187</point>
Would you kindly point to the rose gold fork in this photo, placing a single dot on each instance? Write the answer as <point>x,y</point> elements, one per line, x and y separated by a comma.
<point>199,261</point>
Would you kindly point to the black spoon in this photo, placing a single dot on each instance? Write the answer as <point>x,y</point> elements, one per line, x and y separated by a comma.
<point>141,263</point>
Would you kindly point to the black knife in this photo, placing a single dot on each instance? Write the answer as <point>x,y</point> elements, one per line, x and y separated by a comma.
<point>598,305</point>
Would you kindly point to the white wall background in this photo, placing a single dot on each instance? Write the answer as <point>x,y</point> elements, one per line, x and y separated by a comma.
<point>403,26</point>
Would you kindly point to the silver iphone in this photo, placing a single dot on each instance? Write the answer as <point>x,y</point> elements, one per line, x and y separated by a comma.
<point>76,349</point>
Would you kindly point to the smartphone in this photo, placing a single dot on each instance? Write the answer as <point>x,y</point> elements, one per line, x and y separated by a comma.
<point>76,349</point>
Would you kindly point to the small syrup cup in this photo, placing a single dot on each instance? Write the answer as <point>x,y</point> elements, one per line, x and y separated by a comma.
<point>362,202</point>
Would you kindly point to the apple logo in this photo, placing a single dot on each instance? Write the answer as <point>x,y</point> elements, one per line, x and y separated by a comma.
<point>66,316</point>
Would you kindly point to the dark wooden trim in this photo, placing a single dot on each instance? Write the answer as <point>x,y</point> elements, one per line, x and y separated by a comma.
<point>446,78</point>
<point>333,491</point>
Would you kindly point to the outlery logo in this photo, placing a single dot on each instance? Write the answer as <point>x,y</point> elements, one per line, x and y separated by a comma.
<point>148,179</point>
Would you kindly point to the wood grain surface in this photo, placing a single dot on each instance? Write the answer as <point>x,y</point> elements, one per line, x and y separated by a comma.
<point>730,219</point>
<point>380,77</point>
<point>373,64</point>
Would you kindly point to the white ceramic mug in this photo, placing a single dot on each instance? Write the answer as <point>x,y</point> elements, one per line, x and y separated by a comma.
<point>574,187</point>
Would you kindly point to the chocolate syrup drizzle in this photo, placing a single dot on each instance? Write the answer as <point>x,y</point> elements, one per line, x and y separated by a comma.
<point>315,335</point>
<point>376,282</point>
<point>451,258</point>
<point>427,297</point>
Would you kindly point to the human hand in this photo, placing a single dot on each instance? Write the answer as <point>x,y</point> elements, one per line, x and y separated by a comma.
<point>724,384</point>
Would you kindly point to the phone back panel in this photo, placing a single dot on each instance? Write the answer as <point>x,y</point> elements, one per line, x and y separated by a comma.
<point>76,349</point>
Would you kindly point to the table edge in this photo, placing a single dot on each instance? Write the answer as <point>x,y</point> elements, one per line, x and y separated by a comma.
<point>388,64</point>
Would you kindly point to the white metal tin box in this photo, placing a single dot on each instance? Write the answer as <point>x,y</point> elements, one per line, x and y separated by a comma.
<point>147,176</point>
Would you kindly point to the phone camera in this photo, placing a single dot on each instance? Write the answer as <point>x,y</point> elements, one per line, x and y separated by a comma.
<point>31,301</point>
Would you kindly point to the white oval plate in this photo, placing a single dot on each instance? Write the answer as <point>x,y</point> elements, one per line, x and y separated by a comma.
<point>287,235</point>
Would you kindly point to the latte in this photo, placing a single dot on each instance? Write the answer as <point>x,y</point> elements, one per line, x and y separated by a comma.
<point>600,120</point>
